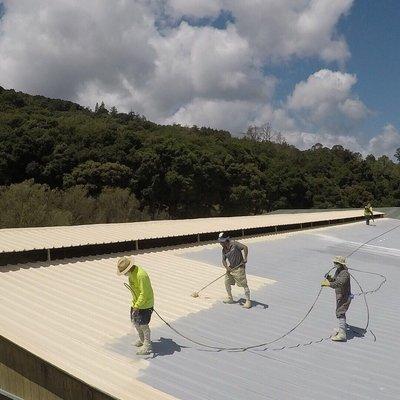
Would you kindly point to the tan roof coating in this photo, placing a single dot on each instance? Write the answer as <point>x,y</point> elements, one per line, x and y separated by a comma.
<point>73,313</point>
<point>19,239</point>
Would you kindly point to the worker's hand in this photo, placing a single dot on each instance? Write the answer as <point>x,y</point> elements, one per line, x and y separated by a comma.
<point>245,261</point>
<point>326,283</point>
<point>135,310</point>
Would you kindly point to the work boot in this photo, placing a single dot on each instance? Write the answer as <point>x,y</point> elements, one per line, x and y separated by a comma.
<point>340,336</point>
<point>138,343</point>
<point>247,304</point>
<point>228,300</point>
<point>147,347</point>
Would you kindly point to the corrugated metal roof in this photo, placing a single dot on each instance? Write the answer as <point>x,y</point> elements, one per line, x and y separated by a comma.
<point>19,239</point>
<point>75,314</point>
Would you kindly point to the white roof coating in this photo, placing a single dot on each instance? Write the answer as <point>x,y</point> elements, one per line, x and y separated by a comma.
<point>19,239</point>
<point>75,314</point>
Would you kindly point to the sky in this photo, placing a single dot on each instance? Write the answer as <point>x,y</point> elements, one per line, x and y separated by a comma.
<point>319,71</point>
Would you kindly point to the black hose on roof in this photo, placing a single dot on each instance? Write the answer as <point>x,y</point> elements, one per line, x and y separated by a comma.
<point>245,348</point>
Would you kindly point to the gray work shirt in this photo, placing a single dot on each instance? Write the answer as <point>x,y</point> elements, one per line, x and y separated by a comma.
<point>234,254</point>
<point>341,284</point>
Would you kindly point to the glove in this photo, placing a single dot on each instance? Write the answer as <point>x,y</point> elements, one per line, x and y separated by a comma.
<point>325,282</point>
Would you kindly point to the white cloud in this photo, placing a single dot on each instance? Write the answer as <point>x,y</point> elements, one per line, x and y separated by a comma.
<point>324,86</point>
<point>220,114</point>
<point>194,8</point>
<point>354,109</point>
<point>279,118</point>
<point>279,29</point>
<point>305,140</point>
<point>95,50</point>
<point>235,116</point>
<point>56,48</point>
<point>386,142</point>
<point>325,101</point>
<point>205,63</point>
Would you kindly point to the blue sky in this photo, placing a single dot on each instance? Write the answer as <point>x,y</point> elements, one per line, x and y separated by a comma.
<point>372,31</point>
<point>317,70</point>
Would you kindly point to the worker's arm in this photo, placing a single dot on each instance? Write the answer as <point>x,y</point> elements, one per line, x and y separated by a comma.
<point>133,295</point>
<point>340,280</point>
<point>245,250</point>
<point>224,263</point>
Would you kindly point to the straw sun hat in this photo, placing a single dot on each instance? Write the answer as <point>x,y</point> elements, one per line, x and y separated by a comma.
<point>339,260</point>
<point>124,264</point>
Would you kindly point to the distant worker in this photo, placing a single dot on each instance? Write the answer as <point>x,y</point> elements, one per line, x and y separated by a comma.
<point>368,213</point>
<point>341,283</point>
<point>235,271</point>
<point>142,302</point>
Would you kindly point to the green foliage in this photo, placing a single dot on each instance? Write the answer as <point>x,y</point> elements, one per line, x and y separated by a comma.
<point>71,165</point>
<point>117,205</point>
<point>95,175</point>
<point>30,204</point>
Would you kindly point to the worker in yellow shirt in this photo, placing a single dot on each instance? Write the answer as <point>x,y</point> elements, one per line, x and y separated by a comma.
<point>142,302</point>
<point>368,213</point>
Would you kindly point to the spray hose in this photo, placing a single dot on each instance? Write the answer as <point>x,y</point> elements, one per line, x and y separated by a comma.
<point>266,344</point>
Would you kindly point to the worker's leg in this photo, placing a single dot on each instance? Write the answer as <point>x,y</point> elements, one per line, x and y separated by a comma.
<point>147,347</point>
<point>341,335</point>
<point>239,275</point>
<point>341,309</point>
<point>145,316</point>
<point>247,304</point>
<point>229,281</point>
<point>135,322</point>
<point>140,340</point>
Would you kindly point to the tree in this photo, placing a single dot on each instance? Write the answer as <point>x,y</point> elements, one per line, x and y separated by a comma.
<point>101,109</point>
<point>316,147</point>
<point>86,164</point>
<point>28,204</point>
<point>261,133</point>
<point>113,111</point>
<point>117,205</point>
<point>95,175</point>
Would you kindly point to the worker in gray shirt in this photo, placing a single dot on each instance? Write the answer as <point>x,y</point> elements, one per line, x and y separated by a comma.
<point>341,283</point>
<point>232,253</point>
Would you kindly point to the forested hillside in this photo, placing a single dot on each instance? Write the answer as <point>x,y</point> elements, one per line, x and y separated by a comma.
<point>61,163</point>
